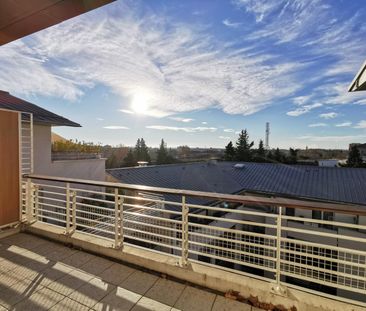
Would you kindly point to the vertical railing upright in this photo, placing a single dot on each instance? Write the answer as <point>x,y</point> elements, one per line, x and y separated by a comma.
<point>118,219</point>
<point>73,212</point>
<point>29,200</point>
<point>68,216</point>
<point>278,287</point>
<point>36,200</point>
<point>185,242</point>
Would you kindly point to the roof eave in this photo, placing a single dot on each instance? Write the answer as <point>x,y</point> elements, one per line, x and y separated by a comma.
<point>356,86</point>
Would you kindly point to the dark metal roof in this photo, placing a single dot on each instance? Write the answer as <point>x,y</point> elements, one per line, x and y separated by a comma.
<point>309,182</point>
<point>40,115</point>
<point>19,18</point>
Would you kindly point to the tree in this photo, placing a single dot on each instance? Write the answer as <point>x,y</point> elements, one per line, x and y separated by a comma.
<point>243,151</point>
<point>292,159</point>
<point>162,157</point>
<point>354,157</point>
<point>129,160</point>
<point>141,152</point>
<point>260,154</point>
<point>278,156</point>
<point>229,152</point>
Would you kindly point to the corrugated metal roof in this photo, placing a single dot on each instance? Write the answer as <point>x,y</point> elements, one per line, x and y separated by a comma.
<point>346,185</point>
<point>40,115</point>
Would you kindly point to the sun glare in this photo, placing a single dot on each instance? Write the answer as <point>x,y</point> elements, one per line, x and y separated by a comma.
<point>140,103</point>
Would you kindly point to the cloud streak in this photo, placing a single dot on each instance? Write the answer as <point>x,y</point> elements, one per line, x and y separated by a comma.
<point>183,129</point>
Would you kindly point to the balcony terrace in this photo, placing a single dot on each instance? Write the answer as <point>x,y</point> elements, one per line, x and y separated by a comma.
<point>253,245</point>
<point>37,274</point>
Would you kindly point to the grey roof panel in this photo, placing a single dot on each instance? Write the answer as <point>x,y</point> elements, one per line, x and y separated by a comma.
<point>346,185</point>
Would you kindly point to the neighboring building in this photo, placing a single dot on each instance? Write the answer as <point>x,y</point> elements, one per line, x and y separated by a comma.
<point>43,121</point>
<point>328,163</point>
<point>361,148</point>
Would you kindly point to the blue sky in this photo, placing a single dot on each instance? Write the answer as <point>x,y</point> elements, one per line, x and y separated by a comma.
<point>197,72</point>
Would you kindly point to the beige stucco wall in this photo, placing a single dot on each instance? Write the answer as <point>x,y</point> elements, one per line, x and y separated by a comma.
<point>93,169</point>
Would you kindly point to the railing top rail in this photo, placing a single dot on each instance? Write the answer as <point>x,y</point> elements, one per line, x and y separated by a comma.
<point>244,199</point>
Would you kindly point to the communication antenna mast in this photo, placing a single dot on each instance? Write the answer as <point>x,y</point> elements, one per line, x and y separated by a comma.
<point>267,136</point>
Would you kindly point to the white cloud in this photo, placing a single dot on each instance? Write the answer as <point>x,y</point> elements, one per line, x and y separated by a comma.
<point>302,110</point>
<point>361,125</point>
<point>224,137</point>
<point>344,124</point>
<point>349,138</point>
<point>204,122</point>
<point>317,125</point>
<point>329,115</point>
<point>185,120</point>
<point>100,119</point>
<point>228,23</point>
<point>181,66</point>
<point>183,129</point>
<point>229,130</point>
<point>127,111</point>
<point>115,127</point>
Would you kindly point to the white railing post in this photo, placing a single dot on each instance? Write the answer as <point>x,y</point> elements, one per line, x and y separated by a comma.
<point>118,221</point>
<point>73,200</point>
<point>67,208</point>
<point>278,288</point>
<point>185,243</point>
<point>36,201</point>
<point>29,204</point>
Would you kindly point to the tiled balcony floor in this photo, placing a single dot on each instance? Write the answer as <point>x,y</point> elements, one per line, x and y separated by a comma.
<point>36,274</point>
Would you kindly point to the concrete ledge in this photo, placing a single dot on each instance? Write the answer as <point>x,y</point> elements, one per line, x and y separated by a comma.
<point>206,276</point>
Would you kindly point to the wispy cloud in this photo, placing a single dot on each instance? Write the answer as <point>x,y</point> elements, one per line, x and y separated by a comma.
<point>183,129</point>
<point>127,111</point>
<point>204,123</point>
<point>344,124</point>
<point>116,127</point>
<point>229,130</point>
<point>361,125</point>
<point>347,138</point>
<point>228,23</point>
<point>100,119</point>
<point>181,66</point>
<point>329,115</point>
<point>179,119</point>
<point>317,125</point>
<point>225,137</point>
<point>302,110</point>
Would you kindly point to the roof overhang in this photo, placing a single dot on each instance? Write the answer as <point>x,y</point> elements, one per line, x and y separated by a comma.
<point>359,82</point>
<point>19,18</point>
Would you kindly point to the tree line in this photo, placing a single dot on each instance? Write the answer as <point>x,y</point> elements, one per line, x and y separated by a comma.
<point>244,151</point>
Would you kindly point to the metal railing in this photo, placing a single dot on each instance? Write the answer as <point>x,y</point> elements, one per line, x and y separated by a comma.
<point>273,239</point>
<point>26,142</point>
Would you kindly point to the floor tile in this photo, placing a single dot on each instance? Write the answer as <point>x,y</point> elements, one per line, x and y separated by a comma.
<point>70,282</point>
<point>96,265</point>
<point>139,282</point>
<point>18,292</point>
<point>194,299</point>
<point>92,292</point>
<point>68,304</point>
<point>147,304</point>
<point>43,299</point>
<point>119,299</point>
<point>166,291</point>
<point>224,304</point>
<point>116,273</point>
<point>52,274</point>
<point>77,259</point>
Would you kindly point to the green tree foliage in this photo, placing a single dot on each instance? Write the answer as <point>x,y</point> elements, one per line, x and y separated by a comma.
<point>75,146</point>
<point>129,160</point>
<point>260,153</point>
<point>229,152</point>
<point>292,158</point>
<point>141,152</point>
<point>243,147</point>
<point>162,157</point>
<point>278,156</point>
<point>354,157</point>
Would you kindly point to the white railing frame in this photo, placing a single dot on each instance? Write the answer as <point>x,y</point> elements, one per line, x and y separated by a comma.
<point>262,251</point>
